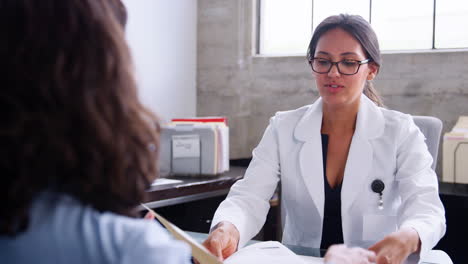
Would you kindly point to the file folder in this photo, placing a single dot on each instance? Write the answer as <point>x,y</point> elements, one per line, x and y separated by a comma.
<point>455,153</point>
<point>194,148</point>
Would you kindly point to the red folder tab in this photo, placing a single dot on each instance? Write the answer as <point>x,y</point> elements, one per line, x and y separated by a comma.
<point>208,119</point>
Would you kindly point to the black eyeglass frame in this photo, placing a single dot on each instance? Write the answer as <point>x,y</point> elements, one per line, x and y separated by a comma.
<point>337,67</point>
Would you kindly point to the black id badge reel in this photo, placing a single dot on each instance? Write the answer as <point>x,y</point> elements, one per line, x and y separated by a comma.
<point>378,186</point>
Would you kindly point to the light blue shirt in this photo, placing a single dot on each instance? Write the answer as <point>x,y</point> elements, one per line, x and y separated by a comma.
<point>62,230</point>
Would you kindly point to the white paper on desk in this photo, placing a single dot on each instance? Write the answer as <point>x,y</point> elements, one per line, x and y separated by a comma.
<point>164,181</point>
<point>311,260</point>
<point>269,252</point>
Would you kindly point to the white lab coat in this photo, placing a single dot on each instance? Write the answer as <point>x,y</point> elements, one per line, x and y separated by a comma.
<point>386,145</point>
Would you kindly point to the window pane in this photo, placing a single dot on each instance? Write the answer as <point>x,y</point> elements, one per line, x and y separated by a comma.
<point>285,26</point>
<point>326,8</point>
<point>451,24</point>
<point>403,24</point>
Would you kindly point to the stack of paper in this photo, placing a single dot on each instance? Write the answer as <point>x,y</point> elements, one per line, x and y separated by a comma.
<point>268,252</point>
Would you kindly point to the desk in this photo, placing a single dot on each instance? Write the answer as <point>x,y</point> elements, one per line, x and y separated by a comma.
<point>454,196</point>
<point>191,203</point>
<point>304,251</point>
<point>434,256</point>
<point>453,189</point>
<point>192,188</point>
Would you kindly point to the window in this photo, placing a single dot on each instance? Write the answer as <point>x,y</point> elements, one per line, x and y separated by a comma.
<point>286,26</point>
<point>407,28</point>
<point>451,24</point>
<point>324,9</point>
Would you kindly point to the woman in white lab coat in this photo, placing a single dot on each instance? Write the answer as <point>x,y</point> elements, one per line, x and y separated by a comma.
<point>351,171</point>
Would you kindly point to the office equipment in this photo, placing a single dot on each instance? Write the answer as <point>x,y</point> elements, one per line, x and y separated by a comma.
<point>194,147</point>
<point>455,153</point>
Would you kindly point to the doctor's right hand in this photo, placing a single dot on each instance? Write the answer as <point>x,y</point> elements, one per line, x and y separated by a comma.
<point>223,240</point>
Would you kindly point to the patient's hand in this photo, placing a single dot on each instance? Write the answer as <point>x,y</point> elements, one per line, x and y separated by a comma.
<point>341,254</point>
<point>149,216</point>
<point>223,240</point>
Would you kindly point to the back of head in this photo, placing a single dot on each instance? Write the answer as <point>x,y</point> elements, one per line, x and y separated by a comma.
<point>362,31</point>
<point>71,119</point>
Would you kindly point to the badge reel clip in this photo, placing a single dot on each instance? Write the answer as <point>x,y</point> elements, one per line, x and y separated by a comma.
<point>378,186</point>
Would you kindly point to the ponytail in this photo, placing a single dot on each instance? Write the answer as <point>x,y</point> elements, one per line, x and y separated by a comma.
<point>372,94</point>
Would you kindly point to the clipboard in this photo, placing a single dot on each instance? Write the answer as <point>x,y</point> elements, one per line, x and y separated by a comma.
<point>199,252</point>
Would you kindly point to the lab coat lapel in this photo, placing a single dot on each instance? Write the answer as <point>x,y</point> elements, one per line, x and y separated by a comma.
<point>357,169</point>
<point>369,125</point>
<point>310,155</point>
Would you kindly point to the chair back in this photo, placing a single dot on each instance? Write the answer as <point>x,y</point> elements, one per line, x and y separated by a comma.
<point>431,127</point>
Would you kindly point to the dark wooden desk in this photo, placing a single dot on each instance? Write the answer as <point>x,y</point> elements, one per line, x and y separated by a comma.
<point>454,196</point>
<point>453,189</point>
<point>192,203</point>
<point>193,188</point>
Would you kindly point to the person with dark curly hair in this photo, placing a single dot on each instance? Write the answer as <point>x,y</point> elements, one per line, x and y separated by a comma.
<point>78,149</point>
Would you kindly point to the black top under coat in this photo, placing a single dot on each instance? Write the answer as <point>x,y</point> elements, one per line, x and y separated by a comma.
<point>332,231</point>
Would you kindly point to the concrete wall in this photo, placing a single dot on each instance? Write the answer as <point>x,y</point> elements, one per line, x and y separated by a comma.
<point>250,89</point>
<point>163,38</point>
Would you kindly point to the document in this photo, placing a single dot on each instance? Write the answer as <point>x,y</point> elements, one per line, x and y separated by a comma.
<point>199,252</point>
<point>268,252</point>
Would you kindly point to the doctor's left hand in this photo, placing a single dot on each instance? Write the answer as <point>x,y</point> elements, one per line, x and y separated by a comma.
<point>397,246</point>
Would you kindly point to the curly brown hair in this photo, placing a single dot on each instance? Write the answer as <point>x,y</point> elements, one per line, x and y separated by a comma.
<point>71,119</point>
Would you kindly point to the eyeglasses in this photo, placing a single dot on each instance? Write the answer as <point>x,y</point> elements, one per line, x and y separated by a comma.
<point>345,67</point>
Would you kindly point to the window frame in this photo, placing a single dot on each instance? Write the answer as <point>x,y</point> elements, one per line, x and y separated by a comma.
<point>257,8</point>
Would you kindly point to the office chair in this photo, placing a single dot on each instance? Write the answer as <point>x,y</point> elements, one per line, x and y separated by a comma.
<point>431,127</point>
